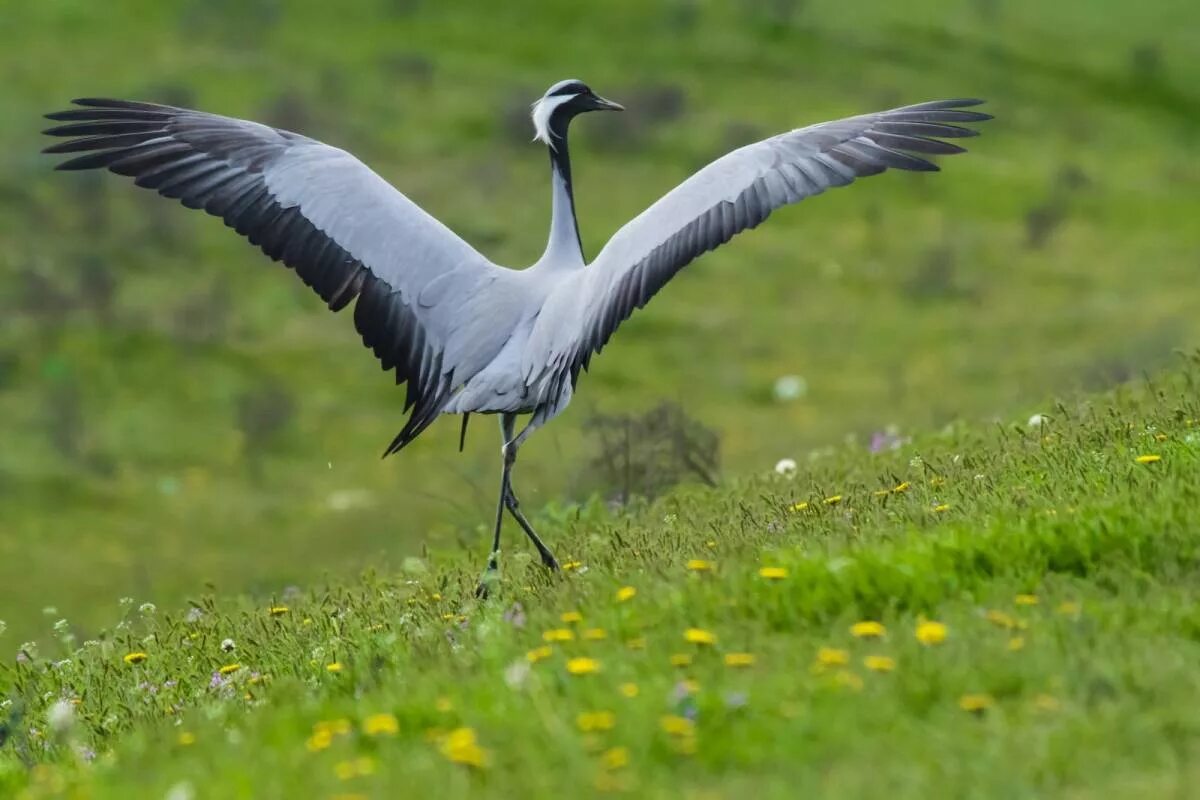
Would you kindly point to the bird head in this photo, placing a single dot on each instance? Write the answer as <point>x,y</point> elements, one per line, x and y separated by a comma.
<point>560,104</point>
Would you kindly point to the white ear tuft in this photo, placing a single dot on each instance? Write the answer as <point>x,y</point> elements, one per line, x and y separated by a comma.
<point>542,110</point>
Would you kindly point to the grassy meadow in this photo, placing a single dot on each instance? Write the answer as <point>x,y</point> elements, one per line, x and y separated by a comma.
<point>184,425</point>
<point>990,611</point>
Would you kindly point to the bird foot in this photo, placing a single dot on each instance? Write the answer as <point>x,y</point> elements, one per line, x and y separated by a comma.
<point>489,579</point>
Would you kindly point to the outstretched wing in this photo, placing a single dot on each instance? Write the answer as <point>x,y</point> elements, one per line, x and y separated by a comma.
<point>737,192</point>
<point>344,230</point>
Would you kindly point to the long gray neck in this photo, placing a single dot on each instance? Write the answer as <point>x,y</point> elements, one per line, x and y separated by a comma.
<point>564,250</point>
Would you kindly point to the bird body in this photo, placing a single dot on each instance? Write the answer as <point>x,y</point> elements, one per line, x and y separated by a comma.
<point>467,335</point>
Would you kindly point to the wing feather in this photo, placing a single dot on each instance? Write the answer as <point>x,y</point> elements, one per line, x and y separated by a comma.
<point>735,193</point>
<point>345,231</point>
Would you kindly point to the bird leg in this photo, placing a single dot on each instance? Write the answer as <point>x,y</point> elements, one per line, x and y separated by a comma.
<point>514,508</point>
<point>508,499</point>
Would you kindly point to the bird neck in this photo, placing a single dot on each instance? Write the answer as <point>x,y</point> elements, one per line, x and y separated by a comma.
<point>564,248</point>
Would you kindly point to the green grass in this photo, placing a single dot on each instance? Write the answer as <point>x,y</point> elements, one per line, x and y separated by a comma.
<point>126,466</point>
<point>1063,569</point>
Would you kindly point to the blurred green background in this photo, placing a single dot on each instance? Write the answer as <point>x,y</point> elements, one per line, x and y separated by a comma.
<point>175,409</point>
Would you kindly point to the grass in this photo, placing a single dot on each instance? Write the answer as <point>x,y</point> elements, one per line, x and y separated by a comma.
<point>175,411</point>
<point>1033,589</point>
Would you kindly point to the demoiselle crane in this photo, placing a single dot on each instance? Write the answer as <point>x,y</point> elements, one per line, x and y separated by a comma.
<point>466,335</point>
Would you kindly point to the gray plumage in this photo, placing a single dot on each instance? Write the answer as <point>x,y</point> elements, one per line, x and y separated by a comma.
<point>467,335</point>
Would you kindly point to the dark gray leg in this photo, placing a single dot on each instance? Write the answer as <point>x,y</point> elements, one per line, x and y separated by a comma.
<point>514,508</point>
<point>508,455</point>
<point>510,497</point>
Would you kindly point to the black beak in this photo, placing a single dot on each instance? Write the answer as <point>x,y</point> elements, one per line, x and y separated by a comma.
<point>600,104</point>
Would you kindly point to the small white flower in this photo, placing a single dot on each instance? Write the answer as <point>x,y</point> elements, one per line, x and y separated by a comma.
<point>790,387</point>
<point>786,467</point>
<point>147,608</point>
<point>60,716</point>
<point>227,645</point>
<point>1037,420</point>
<point>125,602</point>
<point>517,673</point>
<point>180,791</point>
<point>61,626</point>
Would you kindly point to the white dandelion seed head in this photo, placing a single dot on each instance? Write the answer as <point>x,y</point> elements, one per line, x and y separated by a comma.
<point>790,387</point>
<point>786,467</point>
<point>1037,420</point>
<point>147,608</point>
<point>60,716</point>
<point>517,673</point>
<point>227,645</point>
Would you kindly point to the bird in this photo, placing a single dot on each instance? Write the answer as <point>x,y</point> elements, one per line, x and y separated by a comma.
<point>465,334</point>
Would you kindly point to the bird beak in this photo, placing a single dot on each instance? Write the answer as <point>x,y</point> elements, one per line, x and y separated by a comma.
<point>606,105</point>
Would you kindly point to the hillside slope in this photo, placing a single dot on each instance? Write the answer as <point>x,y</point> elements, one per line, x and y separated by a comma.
<point>986,612</point>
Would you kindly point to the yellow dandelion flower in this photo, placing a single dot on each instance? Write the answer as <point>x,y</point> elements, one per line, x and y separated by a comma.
<point>901,488</point>
<point>186,738</point>
<point>638,643</point>
<point>832,657</point>
<point>571,566</point>
<point>681,660</point>
<point>833,500</point>
<point>615,758</point>
<point>381,725</point>
<point>1000,619</point>
<point>539,654</point>
<point>229,669</point>
<point>444,705</point>
<point>1148,458</point>
<point>773,573</point>
<point>462,747</point>
<point>801,506</point>
<point>278,611</point>
<point>711,544</point>
<point>690,686</point>
<point>135,658</point>
<point>569,617</point>
<point>333,666</point>
<point>940,508</point>
<point>699,565</point>
<point>558,635</point>
<point>625,593</point>
<point>1046,702</point>
<point>583,666</point>
<point>591,721</point>
<point>1068,608</point>
<point>930,632</point>
<point>320,740</point>
<point>1160,437</point>
<point>306,621</point>
<point>739,659</point>
<point>345,770</point>
<point>677,726</point>
<point>868,629</point>
<point>976,703</point>
<point>595,634</point>
<point>879,663</point>
<point>629,690</point>
<point>1026,599</point>
<point>881,493</point>
<point>699,636</point>
<point>936,481</point>
<point>1016,643</point>
<point>435,596</point>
